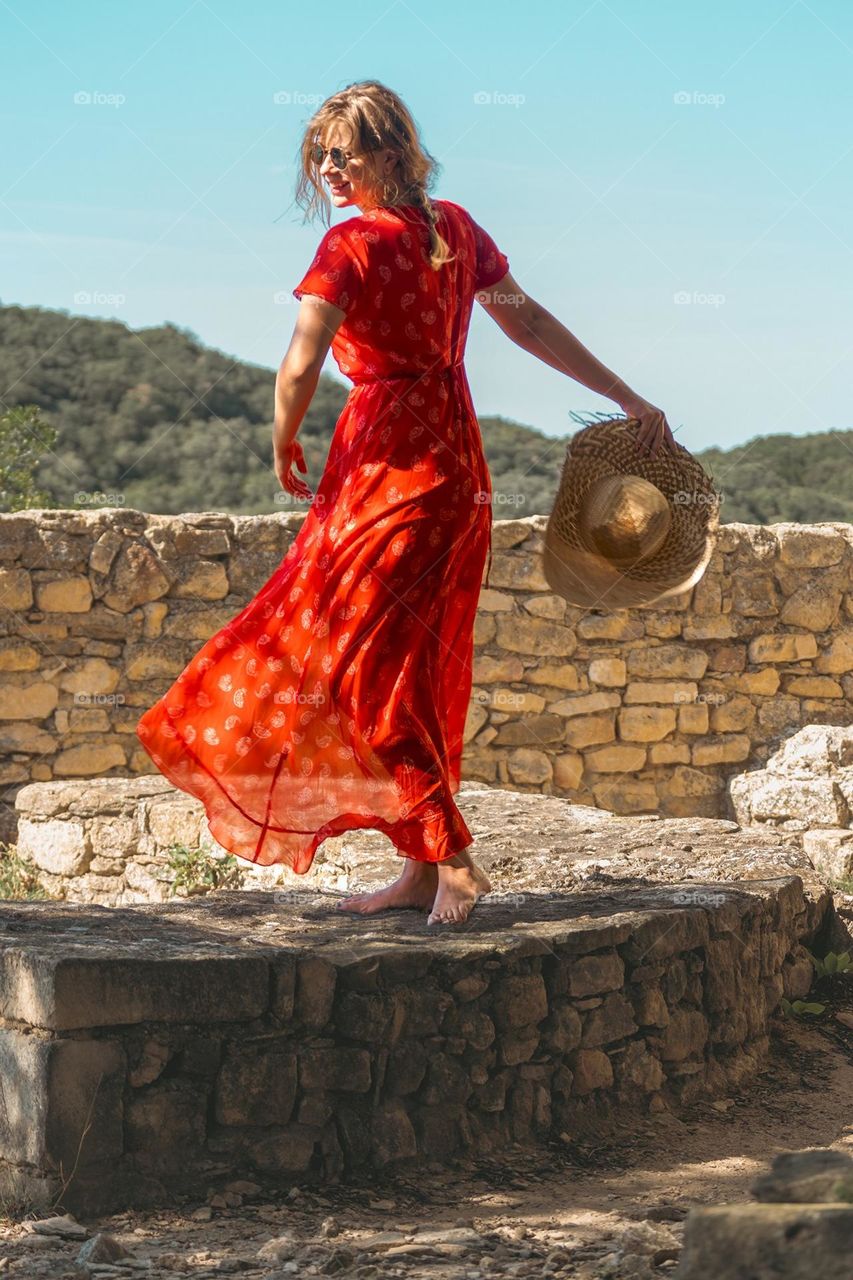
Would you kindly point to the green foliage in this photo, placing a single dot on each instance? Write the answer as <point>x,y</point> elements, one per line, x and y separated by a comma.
<point>197,871</point>
<point>19,877</point>
<point>833,962</point>
<point>152,419</point>
<point>799,1008</point>
<point>24,437</point>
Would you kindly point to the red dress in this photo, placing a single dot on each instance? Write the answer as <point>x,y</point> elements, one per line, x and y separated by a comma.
<point>337,698</point>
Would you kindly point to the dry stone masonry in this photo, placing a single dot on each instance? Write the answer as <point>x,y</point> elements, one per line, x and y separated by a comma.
<point>649,710</point>
<point>264,1035</point>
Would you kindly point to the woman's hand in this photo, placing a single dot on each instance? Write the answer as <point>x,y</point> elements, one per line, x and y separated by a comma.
<point>286,457</point>
<point>653,427</point>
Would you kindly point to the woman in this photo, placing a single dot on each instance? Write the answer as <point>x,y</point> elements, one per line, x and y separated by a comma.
<point>337,698</point>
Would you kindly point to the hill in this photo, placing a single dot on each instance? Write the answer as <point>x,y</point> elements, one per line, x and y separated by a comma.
<point>153,419</point>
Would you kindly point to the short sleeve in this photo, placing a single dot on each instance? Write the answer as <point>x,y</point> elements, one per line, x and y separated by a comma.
<point>335,272</point>
<point>492,265</point>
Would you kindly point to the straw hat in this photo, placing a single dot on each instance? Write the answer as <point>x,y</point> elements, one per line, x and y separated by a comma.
<point>627,529</point>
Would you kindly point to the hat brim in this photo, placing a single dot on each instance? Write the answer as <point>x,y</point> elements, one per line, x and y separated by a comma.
<point>585,579</point>
<point>574,570</point>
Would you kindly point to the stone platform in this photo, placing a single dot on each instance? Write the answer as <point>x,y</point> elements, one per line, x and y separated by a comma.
<point>165,1047</point>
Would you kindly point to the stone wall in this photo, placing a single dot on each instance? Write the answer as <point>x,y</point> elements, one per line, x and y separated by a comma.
<point>646,710</point>
<point>238,1035</point>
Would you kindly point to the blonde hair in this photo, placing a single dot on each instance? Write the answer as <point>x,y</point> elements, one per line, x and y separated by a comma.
<point>376,118</point>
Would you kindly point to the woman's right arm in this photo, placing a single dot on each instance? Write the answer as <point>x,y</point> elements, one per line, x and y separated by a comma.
<point>296,381</point>
<point>534,329</point>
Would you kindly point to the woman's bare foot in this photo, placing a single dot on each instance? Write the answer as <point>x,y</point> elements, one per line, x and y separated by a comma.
<point>415,887</point>
<point>460,883</point>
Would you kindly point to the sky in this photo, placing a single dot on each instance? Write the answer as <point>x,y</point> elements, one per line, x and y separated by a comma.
<point>671,179</point>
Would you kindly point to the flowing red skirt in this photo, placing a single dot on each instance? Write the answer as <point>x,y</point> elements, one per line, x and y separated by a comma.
<point>337,698</point>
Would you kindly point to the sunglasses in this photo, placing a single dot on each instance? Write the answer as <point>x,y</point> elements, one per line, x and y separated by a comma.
<point>339,156</point>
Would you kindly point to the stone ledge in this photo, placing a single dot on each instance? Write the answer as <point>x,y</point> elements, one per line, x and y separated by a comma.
<point>265,1034</point>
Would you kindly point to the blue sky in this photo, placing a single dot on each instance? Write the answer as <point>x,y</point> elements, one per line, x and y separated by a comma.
<point>671,180</point>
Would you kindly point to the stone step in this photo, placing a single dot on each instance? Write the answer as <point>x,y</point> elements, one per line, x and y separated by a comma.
<point>154,1049</point>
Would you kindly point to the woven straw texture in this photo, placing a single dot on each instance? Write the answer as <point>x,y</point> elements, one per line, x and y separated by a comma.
<point>572,565</point>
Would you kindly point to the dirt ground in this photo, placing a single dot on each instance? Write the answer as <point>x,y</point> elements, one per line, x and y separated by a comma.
<point>566,1210</point>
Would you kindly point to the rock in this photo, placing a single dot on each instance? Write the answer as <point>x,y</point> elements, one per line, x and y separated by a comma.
<point>830,851</point>
<point>102,1248</point>
<point>768,1242</point>
<point>591,975</point>
<point>807,1177</point>
<point>592,1070</point>
<point>278,1249</point>
<point>65,1226</point>
<point>380,1241</point>
<point>520,1000</point>
<point>809,778</point>
<point>612,1021</point>
<point>339,1260</point>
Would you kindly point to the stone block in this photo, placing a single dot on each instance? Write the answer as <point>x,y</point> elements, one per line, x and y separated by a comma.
<point>588,731</point>
<point>667,692</point>
<point>256,1085</point>
<point>166,1121</point>
<point>591,1069</point>
<point>685,1036</point>
<point>620,758</point>
<point>613,1020</point>
<point>725,748</point>
<point>407,1065</point>
<point>519,1000</point>
<point>392,1134</point>
<point>830,850</point>
<point>518,1046</point>
<point>773,647</point>
<point>768,1242</point>
<point>63,993</point>
<point>610,672</point>
<point>371,1016</point>
<point>646,724</point>
<point>650,1008</point>
<point>586,704</point>
<point>590,975</point>
<point>53,1089</point>
<point>818,1176</point>
<point>335,1067</point>
<point>535,636</point>
<point>675,661</point>
<point>315,992</point>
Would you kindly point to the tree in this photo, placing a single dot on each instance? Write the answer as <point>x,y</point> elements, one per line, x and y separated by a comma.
<point>24,437</point>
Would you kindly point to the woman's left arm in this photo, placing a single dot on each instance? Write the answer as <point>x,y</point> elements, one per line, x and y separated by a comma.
<point>536,330</point>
